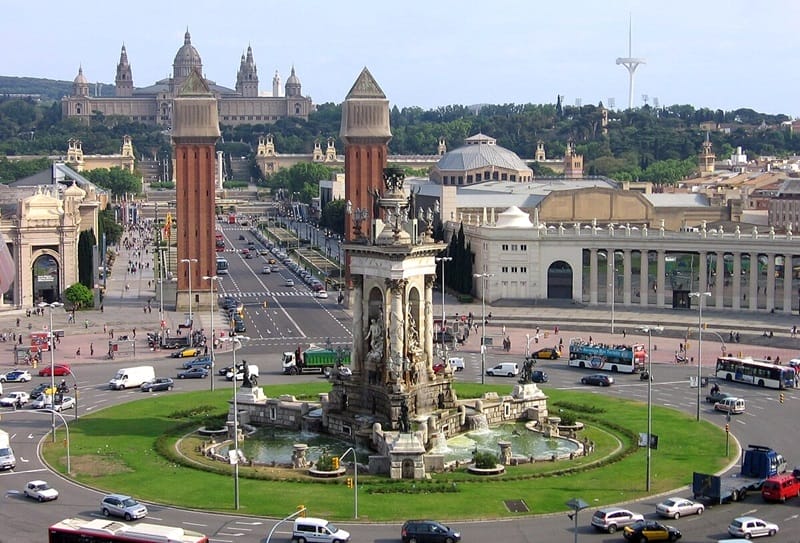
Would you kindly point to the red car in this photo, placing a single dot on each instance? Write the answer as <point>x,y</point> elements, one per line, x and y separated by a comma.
<point>58,370</point>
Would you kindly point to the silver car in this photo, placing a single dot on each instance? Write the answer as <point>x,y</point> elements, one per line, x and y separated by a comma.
<point>678,507</point>
<point>122,506</point>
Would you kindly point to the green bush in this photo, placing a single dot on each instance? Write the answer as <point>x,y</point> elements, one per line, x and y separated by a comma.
<point>484,460</point>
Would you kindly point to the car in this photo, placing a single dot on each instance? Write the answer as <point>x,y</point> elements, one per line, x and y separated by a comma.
<point>66,402</point>
<point>123,506</point>
<point>550,353</point>
<point>239,326</point>
<point>427,531</point>
<point>157,384</point>
<point>678,507</point>
<point>249,255</point>
<point>224,369</point>
<point>730,405</point>
<point>199,362</point>
<point>241,237</point>
<point>609,519</point>
<point>597,379</point>
<point>38,390</point>
<point>288,283</point>
<point>445,336</point>
<point>650,530</point>
<point>274,268</point>
<point>40,491</point>
<point>265,270</point>
<point>272,262</point>
<point>44,401</point>
<point>717,396</point>
<point>14,399</point>
<point>186,352</point>
<point>15,376</point>
<point>58,370</point>
<point>193,373</point>
<point>538,376</point>
<point>321,294</point>
<point>504,369</point>
<point>748,527</point>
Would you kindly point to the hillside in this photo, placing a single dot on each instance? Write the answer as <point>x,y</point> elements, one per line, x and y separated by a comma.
<point>47,89</point>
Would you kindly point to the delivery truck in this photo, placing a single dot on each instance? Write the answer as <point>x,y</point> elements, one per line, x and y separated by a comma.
<point>7,459</point>
<point>131,377</point>
<point>314,360</point>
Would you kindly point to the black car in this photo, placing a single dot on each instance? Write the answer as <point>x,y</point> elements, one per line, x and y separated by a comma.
<point>597,379</point>
<point>538,376</point>
<point>159,383</point>
<point>428,531</point>
<point>39,389</point>
<point>224,370</point>
<point>194,373</point>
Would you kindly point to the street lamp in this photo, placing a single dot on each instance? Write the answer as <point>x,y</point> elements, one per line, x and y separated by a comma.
<point>484,277</point>
<point>577,505</point>
<point>699,296</point>
<point>191,321</point>
<point>51,307</point>
<point>211,305</point>
<point>649,331</point>
<point>355,479</point>
<point>443,260</point>
<point>161,277</point>
<point>237,342</point>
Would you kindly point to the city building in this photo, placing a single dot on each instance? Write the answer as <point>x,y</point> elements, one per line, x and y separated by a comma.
<point>154,104</point>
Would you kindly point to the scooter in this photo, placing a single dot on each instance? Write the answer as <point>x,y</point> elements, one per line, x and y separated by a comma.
<point>644,376</point>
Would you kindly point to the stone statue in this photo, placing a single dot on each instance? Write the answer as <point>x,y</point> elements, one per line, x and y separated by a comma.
<point>412,343</point>
<point>404,424</point>
<point>248,381</point>
<point>376,338</point>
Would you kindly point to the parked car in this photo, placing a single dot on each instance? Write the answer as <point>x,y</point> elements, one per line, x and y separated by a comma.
<point>186,352</point>
<point>550,353</point>
<point>157,384</point>
<point>650,530</point>
<point>678,507</point>
<point>40,491</point>
<point>15,376</point>
<point>14,399</point>
<point>59,370</point>
<point>122,506</point>
<point>193,373</point>
<point>428,531</point>
<point>609,519</point>
<point>748,527</point>
<point>199,362</point>
<point>597,379</point>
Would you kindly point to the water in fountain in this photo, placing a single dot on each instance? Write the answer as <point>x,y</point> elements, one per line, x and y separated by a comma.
<point>478,423</point>
<point>275,445</point>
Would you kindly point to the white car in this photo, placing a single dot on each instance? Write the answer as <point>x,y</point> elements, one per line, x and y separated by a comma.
<point>41,491</point>
<point>321,294</point>
<point>14,399</point>
<point>678,507</point>
<point>45,402</point>
<point>15,376</point>
<point>748,527</point>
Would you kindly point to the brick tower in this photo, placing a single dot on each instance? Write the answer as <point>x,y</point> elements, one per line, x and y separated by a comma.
<point>195,131</point>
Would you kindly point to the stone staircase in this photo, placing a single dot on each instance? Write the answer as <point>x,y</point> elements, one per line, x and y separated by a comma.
<point>240,169</point>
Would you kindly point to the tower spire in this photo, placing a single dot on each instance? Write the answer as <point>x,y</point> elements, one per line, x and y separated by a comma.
<point>630,62</point>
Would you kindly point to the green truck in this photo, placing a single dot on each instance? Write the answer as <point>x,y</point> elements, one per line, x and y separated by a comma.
<point>314,360</point>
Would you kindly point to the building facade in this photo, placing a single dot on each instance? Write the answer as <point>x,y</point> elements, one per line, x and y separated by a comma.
<point>154,104</point>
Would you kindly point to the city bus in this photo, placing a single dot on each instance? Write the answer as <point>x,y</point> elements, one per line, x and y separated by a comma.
<point>599,356</point>
<point>761,373</point>
<point>77,530</point>
<point>219,242</point>
<point>222,266</point>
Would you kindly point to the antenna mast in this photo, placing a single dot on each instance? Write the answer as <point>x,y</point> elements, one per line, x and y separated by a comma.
<point>630,63</point>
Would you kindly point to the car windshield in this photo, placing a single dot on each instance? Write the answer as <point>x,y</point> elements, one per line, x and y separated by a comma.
<point>130,502</point>
<point>332,528</point>
<point>42,486</point>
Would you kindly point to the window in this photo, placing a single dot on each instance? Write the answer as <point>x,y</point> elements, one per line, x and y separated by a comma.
<point>523,247</point>
<point>513,269</point>
<point>504,269</point>
<point>504,177</point>
<point>523,269</point>
<point>504,247</point>
<point>514,247</point>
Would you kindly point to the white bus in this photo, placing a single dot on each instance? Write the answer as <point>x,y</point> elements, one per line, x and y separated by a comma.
<point>761,373</point>
<point>222,266</point>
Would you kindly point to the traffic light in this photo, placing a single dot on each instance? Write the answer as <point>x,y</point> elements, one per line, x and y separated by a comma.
<point>302,509</point>
<point>349,482</point>
<point>781,397</point>
<point>335,462</point>
<point>727,428</point>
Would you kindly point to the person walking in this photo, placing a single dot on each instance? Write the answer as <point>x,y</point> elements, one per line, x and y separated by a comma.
<point>91,349</point>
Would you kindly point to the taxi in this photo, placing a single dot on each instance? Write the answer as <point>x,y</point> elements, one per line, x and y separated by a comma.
<point>649,530</point>
<point>550,353</point>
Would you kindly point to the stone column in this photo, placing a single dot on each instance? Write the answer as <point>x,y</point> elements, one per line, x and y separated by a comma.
<point>428,324</point>
<point>753,301</point>
<point>719,285</point>
<point>361,324</point>
<point>593,276</point>
<point>611,276</point>
<point>644,283</point>
<point>787,283</point>
<point>626,277</point>
<point>770,282</point>
<point>661,266</point>
<point>736,281</point>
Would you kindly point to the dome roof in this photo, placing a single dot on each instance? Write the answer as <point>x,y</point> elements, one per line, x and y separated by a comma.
<point>293,79</point>
<point>187,56</point>
<point>479,152</point>
<point>75,191</point>
<point>513,217</point>
<point>80,79</point>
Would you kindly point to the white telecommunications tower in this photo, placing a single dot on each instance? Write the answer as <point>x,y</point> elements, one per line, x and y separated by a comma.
<point>630,64</point>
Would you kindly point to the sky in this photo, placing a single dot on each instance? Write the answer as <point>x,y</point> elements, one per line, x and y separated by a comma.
<point>720,54</point>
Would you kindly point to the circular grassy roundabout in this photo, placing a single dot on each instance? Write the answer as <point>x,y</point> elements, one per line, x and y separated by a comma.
<point>148,448</point>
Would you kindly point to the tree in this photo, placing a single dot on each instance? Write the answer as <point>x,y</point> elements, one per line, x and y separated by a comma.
<point>79,296</point>
<point>86,244</point>
<point>110,227</point>
<point>120,182</point>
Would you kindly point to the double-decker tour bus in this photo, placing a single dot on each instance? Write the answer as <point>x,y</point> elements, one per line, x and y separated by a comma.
<point>77,530</point>
<point>600,356</point>
<point>219,241</point>
<point>222,266</point>
<point>761,373</point>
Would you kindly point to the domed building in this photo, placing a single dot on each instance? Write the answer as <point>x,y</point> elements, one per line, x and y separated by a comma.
<point>153,104</point>
<point>480,159</point>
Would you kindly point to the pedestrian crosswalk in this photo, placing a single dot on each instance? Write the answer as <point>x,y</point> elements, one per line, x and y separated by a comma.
<point>263,293</point>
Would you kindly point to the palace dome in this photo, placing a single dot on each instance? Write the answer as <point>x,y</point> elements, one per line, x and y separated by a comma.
<point>186,59</point>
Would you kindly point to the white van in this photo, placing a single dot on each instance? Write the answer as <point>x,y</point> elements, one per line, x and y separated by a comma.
<point>506,369</point>
<point>251,368</point>
<point>317,530</point>
<point>456,363</point>
<point>7,458</point>
<point>730,405</point>
<point>132,377</point>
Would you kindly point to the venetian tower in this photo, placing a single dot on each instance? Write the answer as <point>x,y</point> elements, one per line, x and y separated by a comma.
<point>194,133</point>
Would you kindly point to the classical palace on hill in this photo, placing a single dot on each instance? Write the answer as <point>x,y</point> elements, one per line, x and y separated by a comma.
<point>153,104</point>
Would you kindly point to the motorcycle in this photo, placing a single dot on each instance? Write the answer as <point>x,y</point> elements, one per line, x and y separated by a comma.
<point>644,376</point>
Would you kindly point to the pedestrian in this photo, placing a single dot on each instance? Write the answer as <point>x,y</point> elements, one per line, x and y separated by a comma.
<point>78,352</point>
<point>86,323</point>
<point>105,329</point>
<point>555,330</point>
<point>91,349</point>
<point>134,333</point>
<point>18,323</point>
<point>624,333</point>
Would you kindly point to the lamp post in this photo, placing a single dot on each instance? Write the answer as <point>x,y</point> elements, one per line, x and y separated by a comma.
<point>161,277</point>
<point>699,296</point>
<point>649,331</point>
<point>577,505</point>
<point>211,305</point>
<point>355,479</point>
<point>191,321</point>
<point>443,260</point>
<point>51,307</point>
<point>237,342</point>
<point>484,277</point>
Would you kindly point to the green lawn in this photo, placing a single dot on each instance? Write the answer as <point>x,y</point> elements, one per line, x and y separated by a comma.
<point>131,449</point>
